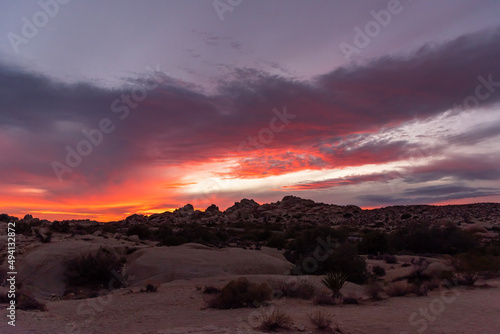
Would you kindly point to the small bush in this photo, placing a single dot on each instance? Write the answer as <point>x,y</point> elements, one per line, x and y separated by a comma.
<point>424,238</point>
<point>293,288</point>
<point>378,271</point>
<point>399,289</point>
<point>110,228</point>
<point>335,281</point>
<point>94,269</point>
<point>390,259</point>
<point>447,275</point>
<point>240,293</point>
<point>471,267</point>
<point>373,242</point>
<point>142,231</point>
<point>421,289</point>
<point>346,260</point>
<point>320,320</point>
<point>324,299</point>
<point>210,290</point>
<point>433,284</point>
<point>61,227</point>
<point>374,290</point>
<point>25,301</point>
<point>151,287</point>
<point>276,241</point>
<point>275,320</point>
<point>418,275</point>
<point>24,228</point>
<point>350,301</point>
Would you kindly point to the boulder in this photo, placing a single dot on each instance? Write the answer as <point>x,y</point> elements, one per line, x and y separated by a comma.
<point>41,271</point>
<point>165,264</point>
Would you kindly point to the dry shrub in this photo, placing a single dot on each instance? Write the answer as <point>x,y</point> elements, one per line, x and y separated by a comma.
<point>292,288</point>
<point>240,293</point>
<point>399,289</point>
<point>94,269</point>
<point>374,290</point>
<point>471,267</point>
<point>271,321</point>
<point>390,259</point>
<point>320,319</point>
<point>25,301</point>
<point>150,287</point>
<point>210,290</point>
<point>433,284</point>
<point>350,301</point>
<point>378,271</point>
<point>324,299</point>
<point>418,274</point>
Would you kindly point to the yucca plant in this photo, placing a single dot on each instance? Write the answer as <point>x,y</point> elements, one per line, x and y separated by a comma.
<point>335,280</point>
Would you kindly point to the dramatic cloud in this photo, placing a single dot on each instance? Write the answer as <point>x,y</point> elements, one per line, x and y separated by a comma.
<point>430,194</point>
<point>153,136</point>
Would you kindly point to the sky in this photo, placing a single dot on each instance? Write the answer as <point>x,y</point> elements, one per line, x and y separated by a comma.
<point>110,108</point>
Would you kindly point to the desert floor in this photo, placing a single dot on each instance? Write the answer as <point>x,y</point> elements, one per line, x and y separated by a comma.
<point>178,307</point>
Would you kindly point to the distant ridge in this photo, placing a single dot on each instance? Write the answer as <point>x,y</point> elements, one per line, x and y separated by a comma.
<point>296,210</point>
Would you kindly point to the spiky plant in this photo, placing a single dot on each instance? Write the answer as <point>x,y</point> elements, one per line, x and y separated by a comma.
<point>335,280</point>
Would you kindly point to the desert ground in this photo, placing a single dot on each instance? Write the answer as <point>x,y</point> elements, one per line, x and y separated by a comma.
<point>179,305</point>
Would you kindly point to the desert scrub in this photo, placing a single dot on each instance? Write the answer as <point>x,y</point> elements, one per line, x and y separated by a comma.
<point>25,301</point>
<point>271,321</point>
<point>320,320</point>
<point>240,293</point>
<point>150,287</point>
<point>374,290</point>
<point>399,289</point>
<point>95,269</point>
<point>293,287</point>
<point>378,271</point>
<point>471,267</point>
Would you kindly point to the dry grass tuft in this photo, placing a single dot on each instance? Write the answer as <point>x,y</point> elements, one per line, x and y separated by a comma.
<point>271,321</point>
<point>320,320</point>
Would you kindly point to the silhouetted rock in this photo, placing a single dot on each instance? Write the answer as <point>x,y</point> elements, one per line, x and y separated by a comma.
<point>212,209</point>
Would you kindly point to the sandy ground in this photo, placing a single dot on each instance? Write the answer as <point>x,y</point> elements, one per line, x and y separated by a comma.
<point>178,307</point>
